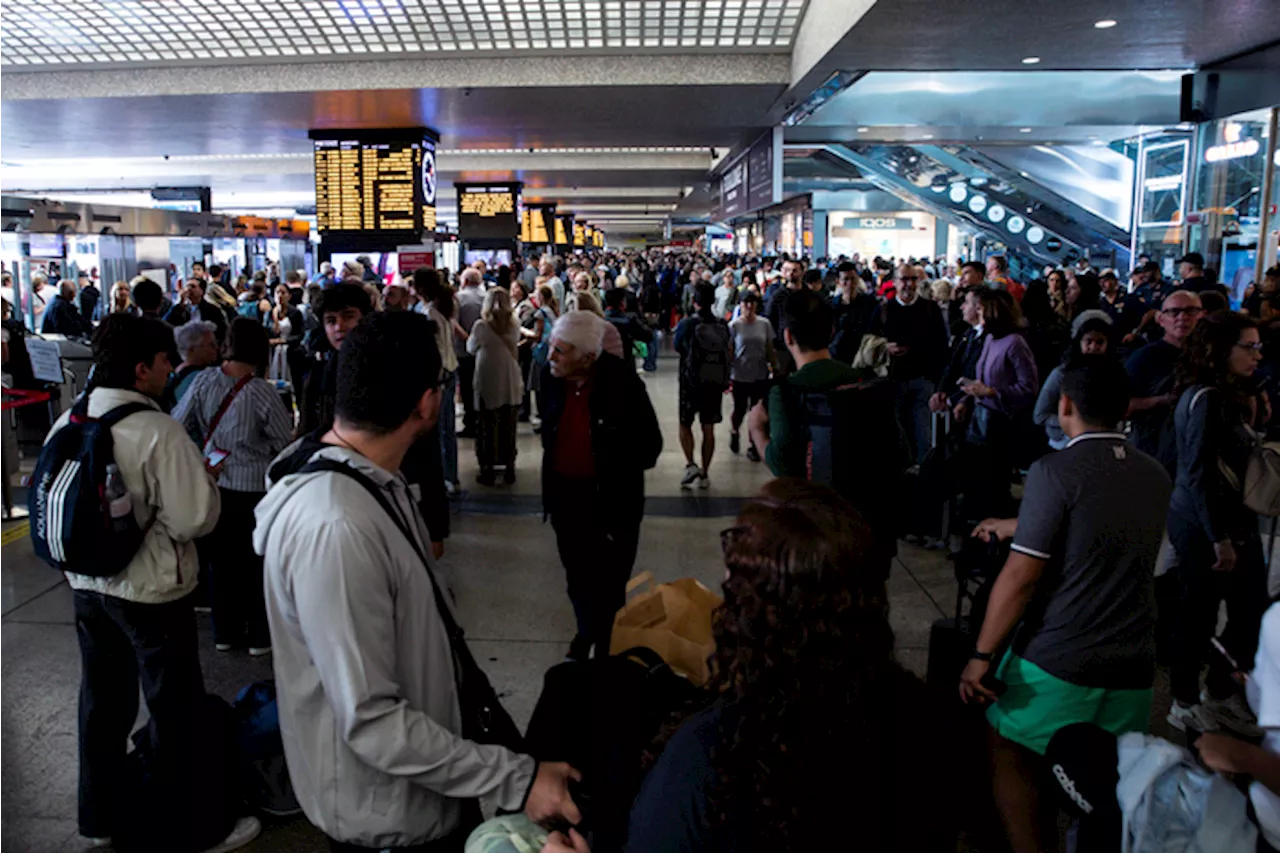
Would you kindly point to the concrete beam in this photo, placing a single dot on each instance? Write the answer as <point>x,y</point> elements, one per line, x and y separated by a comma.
<point>476,72</point>
<point>823,27</point>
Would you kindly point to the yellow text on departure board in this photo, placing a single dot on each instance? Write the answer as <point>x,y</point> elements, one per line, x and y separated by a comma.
<point>486,205</point>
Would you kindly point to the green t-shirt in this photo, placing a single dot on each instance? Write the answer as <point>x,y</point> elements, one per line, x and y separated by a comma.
<point>785,454</point>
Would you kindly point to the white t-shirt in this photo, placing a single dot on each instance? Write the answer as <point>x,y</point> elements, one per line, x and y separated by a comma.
<point>1263,692</point>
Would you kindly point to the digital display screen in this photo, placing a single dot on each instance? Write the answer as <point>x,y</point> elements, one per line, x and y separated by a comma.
<point>375,181</point>
<point>488,211</point>
<point>564,227</point>
<point>579,234</point>
<point>533,228</point>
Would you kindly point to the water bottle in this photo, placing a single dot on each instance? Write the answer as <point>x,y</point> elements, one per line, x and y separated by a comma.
<point>119,504</point>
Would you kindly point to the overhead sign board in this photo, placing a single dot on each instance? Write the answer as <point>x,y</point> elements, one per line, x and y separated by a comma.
<point>488,211</point>
<point>536,223</point>
<point>564,229</point>
<point>375,181</point>
<point>579,234</point>
<point>754,179</point>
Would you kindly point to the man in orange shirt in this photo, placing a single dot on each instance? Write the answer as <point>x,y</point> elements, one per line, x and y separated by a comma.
<point>998,275</point>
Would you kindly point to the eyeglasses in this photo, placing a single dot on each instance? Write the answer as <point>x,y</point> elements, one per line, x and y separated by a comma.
<point>1256,347</point>
<point>1179,312</point>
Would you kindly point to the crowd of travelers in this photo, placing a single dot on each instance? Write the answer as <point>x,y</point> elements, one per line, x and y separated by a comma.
<point>291,450</point>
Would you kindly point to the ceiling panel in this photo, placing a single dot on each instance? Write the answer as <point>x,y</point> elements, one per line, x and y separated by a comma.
<point>543,117</point>
<point>38,34</point>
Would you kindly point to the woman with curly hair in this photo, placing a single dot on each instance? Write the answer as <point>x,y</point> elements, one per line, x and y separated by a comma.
<point>818,739</point>
<point>1214,534</point>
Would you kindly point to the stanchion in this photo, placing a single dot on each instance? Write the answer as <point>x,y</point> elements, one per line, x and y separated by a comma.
<point>15,399</point>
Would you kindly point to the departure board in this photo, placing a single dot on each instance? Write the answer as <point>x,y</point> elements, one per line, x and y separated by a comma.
<point>488,211</point>
<point>562,232</point>
<point>534,225</point>
<point>375,181</point>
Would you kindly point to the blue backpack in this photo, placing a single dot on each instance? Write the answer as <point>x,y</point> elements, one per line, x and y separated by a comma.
<point>71,524</point>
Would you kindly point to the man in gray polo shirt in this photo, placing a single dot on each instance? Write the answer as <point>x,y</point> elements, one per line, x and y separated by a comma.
<point>1078,587</point>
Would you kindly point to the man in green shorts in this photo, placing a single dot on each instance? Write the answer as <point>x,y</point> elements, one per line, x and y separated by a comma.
<point>1078,588</point>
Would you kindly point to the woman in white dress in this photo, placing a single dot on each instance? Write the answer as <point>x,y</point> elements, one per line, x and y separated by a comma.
<point>498,386</point>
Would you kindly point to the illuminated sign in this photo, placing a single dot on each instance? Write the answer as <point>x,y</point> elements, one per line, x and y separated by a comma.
<point>564,227</point>
<point>1169,182</point>
<point>1234,147</point>
<point>375,180</point>
<point>536,222</point>
<point>879,223</point>
<point>579,234</point>
<point>488,211</point>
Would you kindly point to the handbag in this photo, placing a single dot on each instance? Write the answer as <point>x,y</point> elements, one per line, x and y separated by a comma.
<point>484,720</point>
<point>1260,491</point>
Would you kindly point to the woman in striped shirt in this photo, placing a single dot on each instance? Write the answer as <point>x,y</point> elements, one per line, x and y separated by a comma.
<point>232,411</point>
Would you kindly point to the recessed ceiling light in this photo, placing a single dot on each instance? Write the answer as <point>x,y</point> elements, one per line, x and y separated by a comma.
<point>1024,130</point>
<point>1104,24</point>
<point>1030,60</point>
<point>926,136</point>
<point>864,130</point>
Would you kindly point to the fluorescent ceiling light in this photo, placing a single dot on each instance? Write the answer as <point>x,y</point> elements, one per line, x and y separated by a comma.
<point>1024,130</point>
<point>864,130</point>
<point>1104,24</point>
<point>1030,60</point>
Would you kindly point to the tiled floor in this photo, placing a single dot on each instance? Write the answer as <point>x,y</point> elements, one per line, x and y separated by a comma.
<point>502,564</point>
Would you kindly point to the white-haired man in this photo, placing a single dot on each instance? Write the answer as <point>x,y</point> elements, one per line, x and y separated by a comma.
<point>470,306</point>
<point>599,436</point>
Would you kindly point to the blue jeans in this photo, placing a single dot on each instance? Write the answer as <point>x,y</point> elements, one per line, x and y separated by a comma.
<point>913,414</point>
<point>651,358</point>
<point>449,428</point>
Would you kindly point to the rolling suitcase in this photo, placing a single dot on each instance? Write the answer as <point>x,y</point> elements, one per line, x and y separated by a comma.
<point>951,640</point>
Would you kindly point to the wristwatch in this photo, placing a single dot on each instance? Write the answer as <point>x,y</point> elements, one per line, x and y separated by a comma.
<point>982,656</point>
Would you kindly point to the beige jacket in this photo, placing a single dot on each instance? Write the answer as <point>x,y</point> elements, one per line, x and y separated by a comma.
<point>166,477</point>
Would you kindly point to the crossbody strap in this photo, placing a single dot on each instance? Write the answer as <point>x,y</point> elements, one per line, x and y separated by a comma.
<point>226,404</point>
<point>451,626</point>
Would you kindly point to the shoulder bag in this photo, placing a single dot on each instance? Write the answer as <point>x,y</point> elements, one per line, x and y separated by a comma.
<point>484,720</point>
<point>1260,491</point>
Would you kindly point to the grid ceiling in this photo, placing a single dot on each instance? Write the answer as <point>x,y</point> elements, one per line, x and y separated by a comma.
<point>42,33</point>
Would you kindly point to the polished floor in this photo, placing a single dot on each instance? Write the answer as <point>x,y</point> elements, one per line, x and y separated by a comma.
<point>501,562</point>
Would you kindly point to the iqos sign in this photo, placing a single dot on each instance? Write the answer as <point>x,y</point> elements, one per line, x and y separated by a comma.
<point>1233,148</point>
<point>878,223</point>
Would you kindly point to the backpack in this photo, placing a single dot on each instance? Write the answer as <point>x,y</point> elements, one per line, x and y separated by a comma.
<point>264,773</point>
<point>710,353</point>
<point>71,524</point>
<point>852,443</point>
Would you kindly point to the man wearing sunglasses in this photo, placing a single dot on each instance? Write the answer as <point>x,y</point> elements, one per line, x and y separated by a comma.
<point>1151,371</point>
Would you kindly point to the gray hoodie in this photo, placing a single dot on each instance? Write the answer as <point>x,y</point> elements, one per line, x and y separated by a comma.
<point>364,677</point>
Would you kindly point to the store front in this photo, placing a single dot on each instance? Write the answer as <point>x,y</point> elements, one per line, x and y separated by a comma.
<point>900,234</point>
<point>1231,219</point>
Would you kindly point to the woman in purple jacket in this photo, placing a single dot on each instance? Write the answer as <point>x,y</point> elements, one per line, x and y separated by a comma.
<point>1006,385</point>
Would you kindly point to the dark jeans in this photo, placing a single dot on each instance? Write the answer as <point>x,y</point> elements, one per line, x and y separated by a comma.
<point>526,364</point>
<point>239,608</point>
<point>598,552</point>
<point>120,643</point>
<point>1200,589</point>
<point>746,395</point>
<point>467,387</point>
<point>496,438</point>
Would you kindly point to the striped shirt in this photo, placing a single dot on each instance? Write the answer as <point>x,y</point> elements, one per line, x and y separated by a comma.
<point>254,429</point>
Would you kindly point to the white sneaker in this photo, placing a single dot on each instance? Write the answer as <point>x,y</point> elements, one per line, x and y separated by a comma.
<point>259,651</point>
<point>222,647</point>
<point>1190,718</point>
<point>704,482</point>
<point>247,829</point>
<point>1233,713</point>
<point>692,473</point>
<point>95,843</point>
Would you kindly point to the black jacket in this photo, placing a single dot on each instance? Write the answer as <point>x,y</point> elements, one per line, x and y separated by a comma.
<point>89,296</point>
<point>963,364</point>
<point>852,321</point>
<point>180,314</point>
<point>625,437</point>
<point>61,317</point>
<point>1205,507</point>
<point>919,327</point>
<point>630,328</point>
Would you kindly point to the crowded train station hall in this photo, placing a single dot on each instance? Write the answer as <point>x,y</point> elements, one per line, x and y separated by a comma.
<point>645,426</point>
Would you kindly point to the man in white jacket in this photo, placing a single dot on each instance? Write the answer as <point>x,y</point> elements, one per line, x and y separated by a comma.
<point>366,687</point>
<point>138,624</point>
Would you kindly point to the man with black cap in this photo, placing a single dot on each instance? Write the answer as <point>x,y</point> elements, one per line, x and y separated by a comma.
<point>1191,271</point>
<point>1124,310</point>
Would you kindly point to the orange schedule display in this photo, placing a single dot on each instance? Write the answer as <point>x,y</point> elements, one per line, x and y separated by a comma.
<point>375,181</point>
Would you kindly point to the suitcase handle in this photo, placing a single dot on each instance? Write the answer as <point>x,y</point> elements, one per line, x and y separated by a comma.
<point>642,579</point>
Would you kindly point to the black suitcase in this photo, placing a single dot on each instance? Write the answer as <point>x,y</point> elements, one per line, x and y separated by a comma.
<point>951,640</point>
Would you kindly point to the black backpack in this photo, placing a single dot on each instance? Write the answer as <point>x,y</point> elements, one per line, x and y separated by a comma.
<point>71,525</point>
<point>710,353</point>
<point>853,443</point>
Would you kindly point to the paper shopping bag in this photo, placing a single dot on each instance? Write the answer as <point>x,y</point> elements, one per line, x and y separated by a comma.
<point>673,619</point>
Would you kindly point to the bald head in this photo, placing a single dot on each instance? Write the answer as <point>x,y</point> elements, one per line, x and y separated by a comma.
<point>471,277</point>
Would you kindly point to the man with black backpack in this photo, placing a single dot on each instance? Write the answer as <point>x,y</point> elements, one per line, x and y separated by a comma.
<point>706,355</point>
<point>380,701</point>
<point>131,560</point>
<point>833,423</point>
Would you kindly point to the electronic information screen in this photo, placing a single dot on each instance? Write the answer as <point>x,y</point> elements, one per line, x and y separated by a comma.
<point>533,227</point>
<point>564,227</point>
<point>488,211</point>
<point>380,181</point>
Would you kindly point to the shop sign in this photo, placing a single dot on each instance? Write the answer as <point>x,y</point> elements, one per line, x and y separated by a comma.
<point>1233,148</point>
<point>879,223</point>
<point>1169,182</point>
